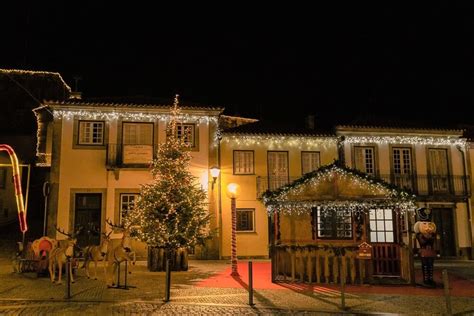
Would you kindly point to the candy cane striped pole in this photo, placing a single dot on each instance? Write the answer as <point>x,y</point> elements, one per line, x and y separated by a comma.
<point>233,258</point>
<point>17,183</point>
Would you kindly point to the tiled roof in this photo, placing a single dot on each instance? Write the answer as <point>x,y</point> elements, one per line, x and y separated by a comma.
<point>135,102</point>
<point>278,128</point>
<point>391,123</point>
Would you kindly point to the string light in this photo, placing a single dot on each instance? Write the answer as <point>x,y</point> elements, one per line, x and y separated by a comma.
<point>383,195</point>
<point>280,141</point>
<point>95,114</point>
<point>409,140</point>
<point>35,73</point>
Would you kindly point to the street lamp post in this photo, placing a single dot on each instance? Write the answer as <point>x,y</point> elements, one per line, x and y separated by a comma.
<point>233,190</point>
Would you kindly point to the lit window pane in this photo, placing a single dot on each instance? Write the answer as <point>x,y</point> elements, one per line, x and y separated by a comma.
<point>373,236</point>
<point>380,236</point>
<point>388,214</point>
<point>380,225</point>
<point>389,236</point>
<point>388,226</point>
<point>372,214</point>
<point>380,214</point>
<point>373,225</point>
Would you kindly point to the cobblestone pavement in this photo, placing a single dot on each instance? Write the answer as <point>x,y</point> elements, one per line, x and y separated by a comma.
<point>25,294</point>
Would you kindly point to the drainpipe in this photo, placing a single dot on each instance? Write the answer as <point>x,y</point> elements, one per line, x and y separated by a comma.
<point>468,202</point>
<point>219,192</point>
<point>341,150</point>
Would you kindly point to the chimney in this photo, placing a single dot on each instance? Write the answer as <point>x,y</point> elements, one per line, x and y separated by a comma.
<point>310,121</point>
<point>76,95</point>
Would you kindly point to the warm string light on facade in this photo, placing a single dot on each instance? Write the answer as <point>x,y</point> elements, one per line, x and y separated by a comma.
<point>132,116</point>
<point>408,140</point>
<point>299,208</point>
<point>35,73</point>
<point>278,201</point>
<point>275,141</point>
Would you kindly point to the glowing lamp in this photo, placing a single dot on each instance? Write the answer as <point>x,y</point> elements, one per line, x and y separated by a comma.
<point>215,171</point>
<point>233,190</point>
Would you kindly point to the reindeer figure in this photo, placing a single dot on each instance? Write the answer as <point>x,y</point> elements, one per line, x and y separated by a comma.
<point>59,256</point>
<point>120,253</point>
<point>96,254</point>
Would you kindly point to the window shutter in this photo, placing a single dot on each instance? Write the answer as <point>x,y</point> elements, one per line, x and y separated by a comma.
<point>359,158</point>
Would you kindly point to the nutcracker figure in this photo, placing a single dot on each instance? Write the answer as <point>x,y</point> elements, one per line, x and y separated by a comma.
<point>425,231</point>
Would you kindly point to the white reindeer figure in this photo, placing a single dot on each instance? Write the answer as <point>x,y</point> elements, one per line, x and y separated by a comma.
<point>59,256</point>
<point>120,253</point>
<point>97,253</point>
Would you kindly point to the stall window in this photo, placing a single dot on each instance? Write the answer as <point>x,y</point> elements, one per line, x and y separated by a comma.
<point>333,224</point>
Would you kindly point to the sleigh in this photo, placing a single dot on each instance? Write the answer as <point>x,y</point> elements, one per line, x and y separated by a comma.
<point>34,258</point>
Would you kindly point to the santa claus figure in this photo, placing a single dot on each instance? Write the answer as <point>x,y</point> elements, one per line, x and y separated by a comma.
<point>425,231</point>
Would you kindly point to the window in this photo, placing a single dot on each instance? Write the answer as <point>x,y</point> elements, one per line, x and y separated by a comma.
<point>365,159</point>
<point>137,143</point>
<point>243,162</point>
<point>138,133</point>
<point>381,225</point>
<point>277,169</point>
<point>186,132</point>
<point>3,177</point>
<point>245,220</point>
<point>402,160</point>
<point>91,133</point>
<point>333,224</point>
<point>127,202</point>
<point>402,167</point>
<point>438,164</point>
<point>309,161</point>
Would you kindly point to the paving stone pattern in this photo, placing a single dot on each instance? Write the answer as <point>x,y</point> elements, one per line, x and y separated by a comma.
<point>25,294</point>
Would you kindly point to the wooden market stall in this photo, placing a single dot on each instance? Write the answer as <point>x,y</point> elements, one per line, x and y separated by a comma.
<point>338,221</point>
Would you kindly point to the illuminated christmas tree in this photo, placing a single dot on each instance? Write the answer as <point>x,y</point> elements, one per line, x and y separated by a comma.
<point>170,214</point>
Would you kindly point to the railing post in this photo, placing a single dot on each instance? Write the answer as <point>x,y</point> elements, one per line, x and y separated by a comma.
<point>118,274</point>
<point>68,278</point>
<point>250,284</point>
<point>168,281</point>
<point>126,272</point>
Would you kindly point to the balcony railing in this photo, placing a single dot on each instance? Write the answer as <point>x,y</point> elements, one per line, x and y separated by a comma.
<point>427,185</point>
<point>422,185</point>
<point>130,155</point>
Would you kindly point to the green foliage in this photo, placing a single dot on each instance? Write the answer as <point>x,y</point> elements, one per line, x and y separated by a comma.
<point>170,211</point>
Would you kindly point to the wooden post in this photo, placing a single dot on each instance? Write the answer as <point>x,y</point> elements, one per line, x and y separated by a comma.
<point>293,263</point>
<point>343,282</point>
<point>411,261</point>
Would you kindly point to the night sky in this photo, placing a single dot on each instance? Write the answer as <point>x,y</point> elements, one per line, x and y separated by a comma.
<point>343,62</point>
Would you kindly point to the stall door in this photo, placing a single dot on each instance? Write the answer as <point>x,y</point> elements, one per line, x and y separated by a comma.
<point>443,218</point>
<point>277,169</point>
<point>385,249</point>
<point>87,218</point>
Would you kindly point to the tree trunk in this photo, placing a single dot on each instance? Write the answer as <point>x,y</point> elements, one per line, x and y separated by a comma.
<point>157,259</point>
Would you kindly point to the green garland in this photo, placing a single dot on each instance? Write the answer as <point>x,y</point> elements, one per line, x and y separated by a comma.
<point>397,197</point>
